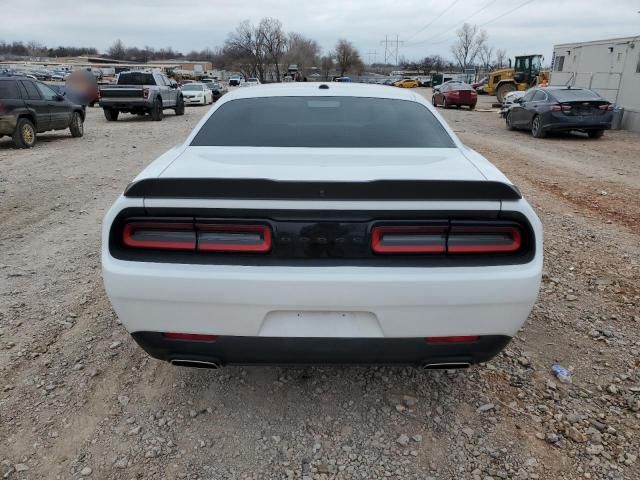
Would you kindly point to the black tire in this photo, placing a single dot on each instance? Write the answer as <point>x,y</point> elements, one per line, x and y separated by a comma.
<point>180,106</point>
<point>24,136</point>
<point>595,133</point>
<point>156,110</point>
<point>503,89</point>
<point>509,121</point>
<point>472,107</point>
<point>536,128</point>
<point>433,101</point>
<point>444,103</point>
<point>110,114</point>
<point>77,125</point>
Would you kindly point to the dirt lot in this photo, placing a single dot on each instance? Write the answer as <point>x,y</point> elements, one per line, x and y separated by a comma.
<point>79,399</point>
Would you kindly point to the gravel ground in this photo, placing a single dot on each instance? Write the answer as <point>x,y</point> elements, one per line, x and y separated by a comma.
<point>79,399</point>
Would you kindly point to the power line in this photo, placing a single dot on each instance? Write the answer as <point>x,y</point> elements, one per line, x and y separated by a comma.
<point>436,18</point>
<point>456,26</point>
<point>506,13</point>
<point>489,21</point>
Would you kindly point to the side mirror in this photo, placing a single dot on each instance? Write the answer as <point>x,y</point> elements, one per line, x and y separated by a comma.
<point>59,98</point>
<point>173,85</point>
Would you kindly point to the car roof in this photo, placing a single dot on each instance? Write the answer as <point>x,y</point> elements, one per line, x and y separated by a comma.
<point>329,89</point>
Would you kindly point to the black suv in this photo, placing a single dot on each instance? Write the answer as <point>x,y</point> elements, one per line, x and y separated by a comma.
<point>28,107</point>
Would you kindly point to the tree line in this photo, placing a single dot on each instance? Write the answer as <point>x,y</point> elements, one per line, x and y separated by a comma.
<point>263,50</point>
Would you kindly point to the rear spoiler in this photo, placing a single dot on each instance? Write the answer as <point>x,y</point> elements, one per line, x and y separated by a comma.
<point>252,189</point>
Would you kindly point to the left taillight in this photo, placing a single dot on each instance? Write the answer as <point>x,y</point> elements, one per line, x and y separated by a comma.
<point>162,236</point>
<point>233,238</point>
<point>201,237</point>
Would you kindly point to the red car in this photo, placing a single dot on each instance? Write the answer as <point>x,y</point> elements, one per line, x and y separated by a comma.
<point>457,94</point>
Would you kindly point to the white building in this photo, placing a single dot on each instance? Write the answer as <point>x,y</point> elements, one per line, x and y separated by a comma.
<point>609,67</point>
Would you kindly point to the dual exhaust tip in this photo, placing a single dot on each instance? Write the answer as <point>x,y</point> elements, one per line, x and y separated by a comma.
<point>214,365</point>
<point>181,362</point>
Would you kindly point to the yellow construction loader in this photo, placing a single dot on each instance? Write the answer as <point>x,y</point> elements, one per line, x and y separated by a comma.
<point>526,73</point>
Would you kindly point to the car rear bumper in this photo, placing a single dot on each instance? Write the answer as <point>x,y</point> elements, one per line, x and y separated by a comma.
<point>560,121</point>
<point>337,302</point>
<point>236,350</point>
<point>124,104</point>
<point>7,124</point>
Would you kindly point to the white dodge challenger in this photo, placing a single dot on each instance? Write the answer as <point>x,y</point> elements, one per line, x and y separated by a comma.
<point>322,224</point>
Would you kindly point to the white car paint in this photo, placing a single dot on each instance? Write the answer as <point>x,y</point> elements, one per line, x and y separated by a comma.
<point>201,96</point>
<point>333,302</point>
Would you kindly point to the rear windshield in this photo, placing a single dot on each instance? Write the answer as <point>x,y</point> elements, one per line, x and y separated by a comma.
<point>192,87</point>
<point>329,122</point>
<point>574,95</point>
<point>136,78</point>
<point>9,90</point>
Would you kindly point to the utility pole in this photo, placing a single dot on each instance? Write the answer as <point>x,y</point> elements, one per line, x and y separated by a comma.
<point>391,51</point>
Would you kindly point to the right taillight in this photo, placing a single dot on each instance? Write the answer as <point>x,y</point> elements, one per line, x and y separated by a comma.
<point>454,239</point>
<point>606,106</point>
<point>233,238</point>
<point>145,93</point>
<point>481,239</point>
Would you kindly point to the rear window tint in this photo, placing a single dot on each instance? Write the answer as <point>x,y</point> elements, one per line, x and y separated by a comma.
<point>574,95</point>
<point>327,122</point>
<point>136,78</point>
<point>9,90</point>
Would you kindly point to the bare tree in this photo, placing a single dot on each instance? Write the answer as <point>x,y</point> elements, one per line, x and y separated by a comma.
<point>501,57</point>
<point>326,66</point>
<point>245,48</point>
<point>117,50</point>
<point>347,57</point>
<point>302,51</point>
<point>470,40</point>
<point>486,56</point>
<point>273,40</point>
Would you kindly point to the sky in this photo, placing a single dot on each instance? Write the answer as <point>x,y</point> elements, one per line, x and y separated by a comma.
<point>426,27</point>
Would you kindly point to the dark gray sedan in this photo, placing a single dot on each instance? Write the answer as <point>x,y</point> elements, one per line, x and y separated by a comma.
<point>550,109</point>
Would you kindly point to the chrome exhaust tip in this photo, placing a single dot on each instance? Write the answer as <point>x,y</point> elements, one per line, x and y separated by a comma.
<point>194,363</point>
<point>446,366</point>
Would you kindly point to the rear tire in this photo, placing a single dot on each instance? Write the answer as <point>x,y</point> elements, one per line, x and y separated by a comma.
<point>180,106</point>
<point>444,103</point>
<point>536,128</point>
<point>472,107</point>
<point>24,135</point>
<point>110,114</point>
<point>433,101</point>
<point>595,133</point>
<point>77,125</point>
<point>156,111</point>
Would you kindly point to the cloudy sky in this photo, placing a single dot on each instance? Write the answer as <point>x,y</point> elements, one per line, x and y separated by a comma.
<point>426,26</point>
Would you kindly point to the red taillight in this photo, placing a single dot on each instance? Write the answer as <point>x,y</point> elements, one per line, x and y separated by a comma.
<point>555,108</point>
<point>233,238</point>
<point>453,339</point>
<point>457,239</point>
<point>480,239</point>
<point>163,236</point>
<point>197,337</point>
<point>607,106</point>
<point>201,237</point>
<point>566,108</point>
<point>145,92</point>
<point>408,239</point>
